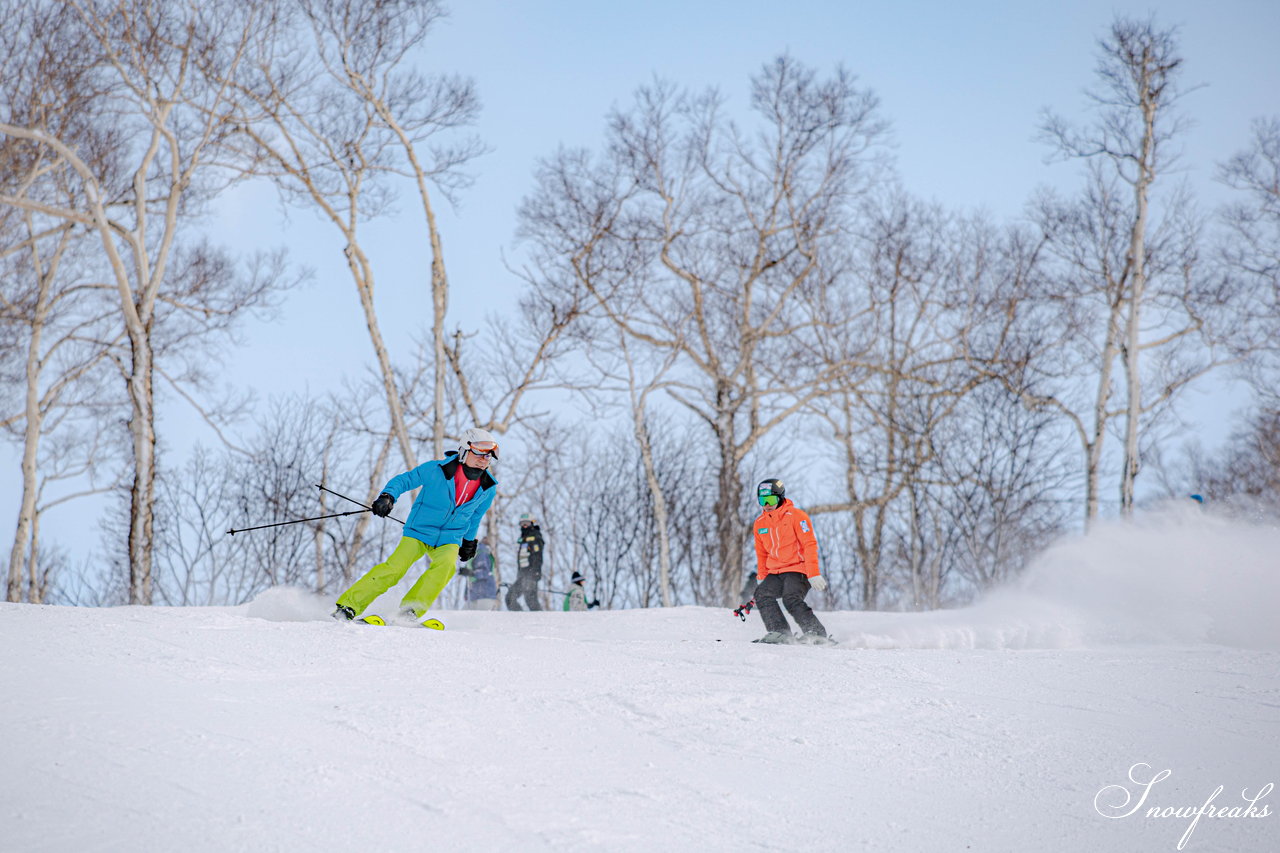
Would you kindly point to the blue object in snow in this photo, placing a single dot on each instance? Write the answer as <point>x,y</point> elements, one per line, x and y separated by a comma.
<point>481,584</point>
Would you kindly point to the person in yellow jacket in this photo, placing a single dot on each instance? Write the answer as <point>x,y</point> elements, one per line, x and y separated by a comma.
<point>786,567</point>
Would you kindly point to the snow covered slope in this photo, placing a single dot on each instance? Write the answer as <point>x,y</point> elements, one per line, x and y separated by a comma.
<point>1012,725</point>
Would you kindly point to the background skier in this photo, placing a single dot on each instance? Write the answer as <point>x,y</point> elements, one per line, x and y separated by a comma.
<point>576,597</point>
<point>528,565</point>
<point>455,494</point>
<point>786,566</point>
<point>482,587</point>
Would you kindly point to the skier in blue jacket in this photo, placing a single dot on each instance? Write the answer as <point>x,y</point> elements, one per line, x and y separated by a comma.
<point>455,494</point>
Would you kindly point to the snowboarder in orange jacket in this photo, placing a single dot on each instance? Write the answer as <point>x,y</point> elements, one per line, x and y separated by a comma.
<point>786,567</point>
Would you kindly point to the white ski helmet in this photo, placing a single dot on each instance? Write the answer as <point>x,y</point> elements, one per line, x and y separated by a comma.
<point>479,440</point>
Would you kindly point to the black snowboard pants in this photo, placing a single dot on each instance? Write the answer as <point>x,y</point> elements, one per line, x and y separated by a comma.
<point>791,587</point>
<point>526,586</point>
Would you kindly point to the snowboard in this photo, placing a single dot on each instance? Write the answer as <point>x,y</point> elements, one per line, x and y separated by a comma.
<point>375,619</point>
<point>822,642</point>
<point>796,640</point>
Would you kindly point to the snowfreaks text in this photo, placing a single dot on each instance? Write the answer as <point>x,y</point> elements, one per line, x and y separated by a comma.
<point>1117,802</point>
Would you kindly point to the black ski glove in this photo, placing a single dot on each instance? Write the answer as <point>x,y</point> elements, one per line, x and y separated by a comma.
<point>467,549</point>
<point>382,506</point>
<point>595,603</point>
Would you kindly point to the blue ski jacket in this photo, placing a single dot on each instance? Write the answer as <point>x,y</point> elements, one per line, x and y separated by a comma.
<point>434,520</point>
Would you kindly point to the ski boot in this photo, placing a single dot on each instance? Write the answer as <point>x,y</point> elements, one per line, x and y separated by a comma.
<point>343,614</point>
<point>779,638</point>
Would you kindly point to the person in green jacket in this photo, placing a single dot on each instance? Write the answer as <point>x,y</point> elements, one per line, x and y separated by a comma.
<point>576,597</point>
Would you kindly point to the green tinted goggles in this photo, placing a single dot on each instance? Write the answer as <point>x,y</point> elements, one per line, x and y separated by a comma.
<point>769,500</point>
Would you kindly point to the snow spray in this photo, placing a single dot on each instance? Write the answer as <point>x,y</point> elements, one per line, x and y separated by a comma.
<point>1176,576</point>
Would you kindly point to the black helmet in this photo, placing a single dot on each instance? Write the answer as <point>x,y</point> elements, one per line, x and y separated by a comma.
<point>770,488</point>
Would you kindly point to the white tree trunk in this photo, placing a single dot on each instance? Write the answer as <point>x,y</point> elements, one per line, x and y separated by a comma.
<point>439,281</point>
<point>1101,416</point>
<point>660,513</point>
<point>362,273</point>
<point>730,533</point>
<point>142,493</point>
<point>30,449</point>
<point>36,581</point>
<point>1137,270</point>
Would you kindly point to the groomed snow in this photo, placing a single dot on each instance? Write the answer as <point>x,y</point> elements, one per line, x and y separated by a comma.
<point>995,727</point>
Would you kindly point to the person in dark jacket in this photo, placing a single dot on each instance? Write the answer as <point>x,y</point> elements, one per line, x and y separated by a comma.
<point>528,566</point>
<point>456,492</point>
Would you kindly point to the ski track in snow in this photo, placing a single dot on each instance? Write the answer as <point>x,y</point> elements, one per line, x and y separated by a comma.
<point>269,727</point>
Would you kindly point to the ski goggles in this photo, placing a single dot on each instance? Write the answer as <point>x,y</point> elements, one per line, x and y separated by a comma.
<point>484,449</point>
<point>769,500</point>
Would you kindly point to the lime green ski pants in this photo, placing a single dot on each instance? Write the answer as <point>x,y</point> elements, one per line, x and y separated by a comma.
<point>379,579</point>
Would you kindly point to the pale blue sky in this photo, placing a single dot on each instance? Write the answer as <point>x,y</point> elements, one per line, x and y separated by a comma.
<point>963,85</point>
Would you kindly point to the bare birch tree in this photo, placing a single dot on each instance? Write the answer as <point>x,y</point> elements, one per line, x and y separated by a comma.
<point>924,286</point>
<point>639,389</point>
<point>586,203</point>
<point>451,102</point>
<point>1006,471</point>
<point>157,70</point>
<point>890,335</point>
<point>69,335</point>
<point>57,316</point>
<point>503,384</point>
<point>1066,359</point>
<point>338,111</point>
<point>1252,251</point>
<point>735,228</point>
<point>1156,304</point>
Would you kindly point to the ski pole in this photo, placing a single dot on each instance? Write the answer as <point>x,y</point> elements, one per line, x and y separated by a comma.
<point>325,488</point>
<point>742,611</point>
<point>233,531</point>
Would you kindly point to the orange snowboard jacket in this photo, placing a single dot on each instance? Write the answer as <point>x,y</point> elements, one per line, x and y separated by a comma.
<point>785,542</point>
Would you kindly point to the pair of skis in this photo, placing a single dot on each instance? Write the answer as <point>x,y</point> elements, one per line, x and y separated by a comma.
<point>375,619</point>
